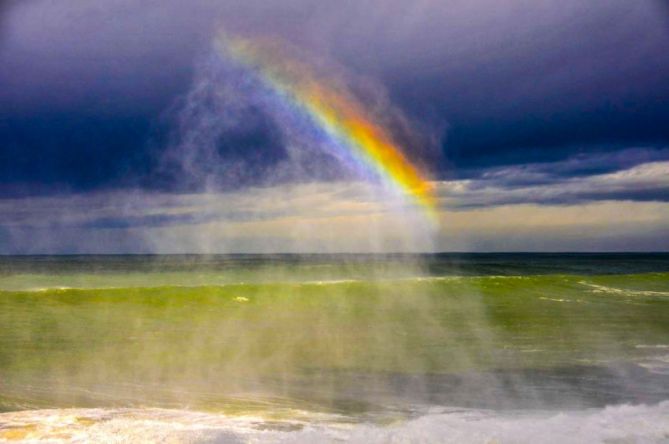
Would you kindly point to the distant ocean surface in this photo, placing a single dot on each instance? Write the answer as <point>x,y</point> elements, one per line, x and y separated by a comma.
<point>463,348</point>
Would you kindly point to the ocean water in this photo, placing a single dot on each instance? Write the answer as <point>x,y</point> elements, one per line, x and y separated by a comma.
<point>476,348</point>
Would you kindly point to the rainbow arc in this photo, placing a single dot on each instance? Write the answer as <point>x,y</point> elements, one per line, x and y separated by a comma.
<point>336,112</point>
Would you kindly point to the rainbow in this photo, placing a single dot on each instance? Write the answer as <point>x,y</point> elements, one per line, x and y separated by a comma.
<point>335,111</point>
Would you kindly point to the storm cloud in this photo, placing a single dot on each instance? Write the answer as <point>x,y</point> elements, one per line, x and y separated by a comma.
<point>540,103</point>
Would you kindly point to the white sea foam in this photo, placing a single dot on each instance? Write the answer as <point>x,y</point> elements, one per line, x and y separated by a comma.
<point>222,284</point>
<point>656,364</point>
<point>45,289</point>
<point>596,288</point>
<point>621,423</point>
<point>554,299</point>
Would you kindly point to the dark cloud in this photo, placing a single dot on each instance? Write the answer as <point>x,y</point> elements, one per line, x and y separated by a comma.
<point>101,57</point>
<point>567,84</point>
<point>72,151</point>
<point>580,164</point>
<point>623,176</point>
<point>568,214</point>
<point>5,11</point>
<point>554,76</point>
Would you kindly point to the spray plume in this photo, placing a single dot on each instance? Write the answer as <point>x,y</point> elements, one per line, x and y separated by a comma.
<point>351,133</point>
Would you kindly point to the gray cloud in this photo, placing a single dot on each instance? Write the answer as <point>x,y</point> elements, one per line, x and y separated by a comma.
<point>580,164</point>
<point>515,74</point>
<point>547,184</point>
<point>554,76</point>
<point>555,183</point>
<point>307,217</point>
<point>503,56</point>
<point>503,209</point>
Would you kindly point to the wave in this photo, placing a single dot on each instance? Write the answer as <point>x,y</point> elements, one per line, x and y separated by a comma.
<point>619,423</point>
<point>57,288</point>
<point>214,284</point>
<point>156,281</point>
<point>597,288</point>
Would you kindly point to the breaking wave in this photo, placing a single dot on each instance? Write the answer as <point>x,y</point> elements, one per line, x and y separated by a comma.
<point>620,423</point>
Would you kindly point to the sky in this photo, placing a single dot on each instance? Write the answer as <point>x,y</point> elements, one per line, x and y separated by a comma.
<point>541,124</point>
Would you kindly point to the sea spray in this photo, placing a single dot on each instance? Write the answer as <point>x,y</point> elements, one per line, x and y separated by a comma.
<point>349,334</point>
<point>263,114</point>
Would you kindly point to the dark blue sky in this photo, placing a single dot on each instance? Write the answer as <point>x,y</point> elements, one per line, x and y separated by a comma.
<point>509,93</point>
<point>87,85</point>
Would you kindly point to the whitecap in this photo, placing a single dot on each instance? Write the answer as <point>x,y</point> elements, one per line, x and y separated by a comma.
<point>620,423</point>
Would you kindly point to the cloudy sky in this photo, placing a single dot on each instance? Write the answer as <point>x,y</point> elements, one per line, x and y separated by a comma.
<point>544,125</point>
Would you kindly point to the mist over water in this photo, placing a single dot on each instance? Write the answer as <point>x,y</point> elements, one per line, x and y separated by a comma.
<point>352,347</point>
<point>259,157</point>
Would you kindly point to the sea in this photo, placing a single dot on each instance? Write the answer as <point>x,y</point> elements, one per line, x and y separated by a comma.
<point>395,348</point>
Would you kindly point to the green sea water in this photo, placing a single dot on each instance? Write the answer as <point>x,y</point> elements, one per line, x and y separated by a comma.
<point>348,334</point>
